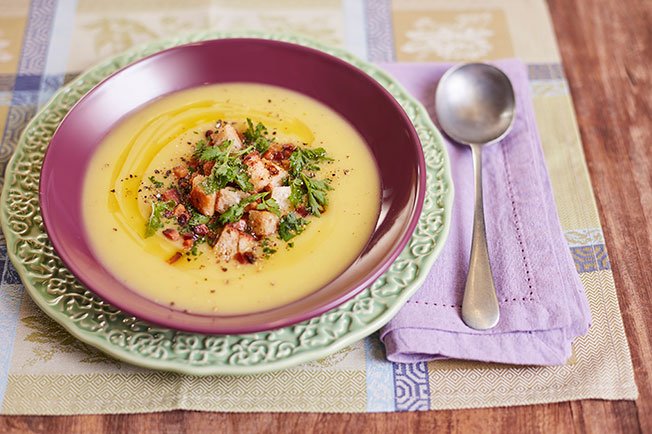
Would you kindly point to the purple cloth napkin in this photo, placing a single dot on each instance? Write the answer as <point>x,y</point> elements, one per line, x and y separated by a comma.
<point>542,302</point>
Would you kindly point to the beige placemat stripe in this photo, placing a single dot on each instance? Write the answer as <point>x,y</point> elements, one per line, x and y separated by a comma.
<point>292,390</point>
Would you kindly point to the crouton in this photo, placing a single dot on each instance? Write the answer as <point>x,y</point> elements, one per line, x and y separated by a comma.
<point>227,244</point>
<point>232,241</point>
<point>276,173</point>
<point>227,132</point>
<point>264,173</point>
<point>240,225</point>
<point>263,223</point>
<point>282,197</point>
<point>227,197</point>
<point>202,201</point>
<point>258,173</point>
<point>246,243</point>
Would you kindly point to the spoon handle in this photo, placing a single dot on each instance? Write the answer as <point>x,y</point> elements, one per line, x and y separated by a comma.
<point>480,305</point>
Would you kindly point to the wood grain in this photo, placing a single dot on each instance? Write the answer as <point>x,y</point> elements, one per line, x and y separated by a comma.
<point>606,46</point>
<point>607,51</point>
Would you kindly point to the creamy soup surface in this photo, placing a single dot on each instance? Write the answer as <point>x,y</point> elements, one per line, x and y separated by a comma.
<point>156,138</point>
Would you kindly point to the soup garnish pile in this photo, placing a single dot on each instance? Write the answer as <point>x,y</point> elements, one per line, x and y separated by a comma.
<point>239,191</point>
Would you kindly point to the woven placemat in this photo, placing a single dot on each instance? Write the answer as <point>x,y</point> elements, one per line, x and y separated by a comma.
<point>43,370</point>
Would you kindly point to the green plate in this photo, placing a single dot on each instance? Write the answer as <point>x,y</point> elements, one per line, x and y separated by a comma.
<point>56,291</point>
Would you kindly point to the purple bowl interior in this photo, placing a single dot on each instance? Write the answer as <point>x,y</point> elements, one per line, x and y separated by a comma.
<point>350,92</point>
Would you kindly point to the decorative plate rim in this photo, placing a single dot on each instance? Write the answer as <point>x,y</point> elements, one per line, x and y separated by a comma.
<point>256,352</point>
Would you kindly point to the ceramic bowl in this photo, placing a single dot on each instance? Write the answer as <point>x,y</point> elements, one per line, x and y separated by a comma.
<point>357,97</point>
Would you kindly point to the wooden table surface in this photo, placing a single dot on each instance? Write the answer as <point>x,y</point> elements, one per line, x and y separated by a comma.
<point>606,46</point>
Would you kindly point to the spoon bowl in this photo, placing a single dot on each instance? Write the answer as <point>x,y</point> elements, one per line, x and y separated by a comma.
<point>475,106</point>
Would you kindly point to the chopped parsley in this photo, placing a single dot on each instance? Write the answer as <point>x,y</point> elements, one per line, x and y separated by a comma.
<point>304,188</point>
<point>236,212</point>
<point>215,153</point>
<point>156,183</point>
<point>256,136</point>
<point>268,247</point>
<point>155,223</point>
<point>200,148</point>
<point>205,153</point>
<point>311,192</point>
<point>228,167</point>
<point>270,205</point>
<point>198,219</point>
<point>230,171</point>
<point>307,159</point>
<point>291,226</point>
<point>297,192</point>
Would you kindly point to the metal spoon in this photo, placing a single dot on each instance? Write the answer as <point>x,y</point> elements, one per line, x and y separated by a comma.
<point>475,106</point>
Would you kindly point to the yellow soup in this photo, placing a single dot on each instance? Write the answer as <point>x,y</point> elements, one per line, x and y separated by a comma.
<point>156,138</point>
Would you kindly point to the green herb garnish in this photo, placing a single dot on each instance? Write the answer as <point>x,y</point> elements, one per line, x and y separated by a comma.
<point>231,171</point>
<point>236,212</point>
<point>255,136</point>
<point>317,199</point>
<point>270,205</point>
<point>155,182</point>
<point>232,214</point>
<point>216,153</point>
<point>268,250</point>
<point>291,226</point>
<point>304,189</point>
<point>313,190</point>
<point>155,223</point>
<point>228,168</point>
<point>200,148</point>
<point>307,159</point>
<point>198,219</point>
<point>297,192</point>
